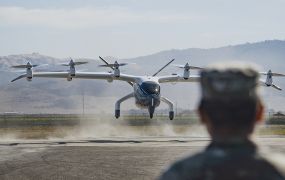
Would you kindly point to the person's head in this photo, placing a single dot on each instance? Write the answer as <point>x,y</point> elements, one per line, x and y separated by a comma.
<point>230,105</point>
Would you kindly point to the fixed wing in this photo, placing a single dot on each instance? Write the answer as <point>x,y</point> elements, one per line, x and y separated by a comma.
<point>146,89</point>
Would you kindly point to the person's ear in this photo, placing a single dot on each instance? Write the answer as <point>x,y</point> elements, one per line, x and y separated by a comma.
<point>259,112</point>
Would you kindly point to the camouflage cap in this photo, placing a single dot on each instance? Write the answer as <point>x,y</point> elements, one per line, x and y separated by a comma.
<point>229,82</point>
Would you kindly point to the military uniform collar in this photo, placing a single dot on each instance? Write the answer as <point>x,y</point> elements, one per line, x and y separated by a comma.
<point>232,145</point>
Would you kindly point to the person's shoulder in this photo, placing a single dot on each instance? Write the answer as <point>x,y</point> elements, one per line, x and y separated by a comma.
<point>268,165</point>
<point>276,161</point>
<point>183,168</point>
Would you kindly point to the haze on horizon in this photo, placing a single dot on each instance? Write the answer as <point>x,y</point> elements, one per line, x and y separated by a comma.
<point>130,28</point>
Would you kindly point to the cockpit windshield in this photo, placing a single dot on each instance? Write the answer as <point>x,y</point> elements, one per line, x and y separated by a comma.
<point>150,87</point>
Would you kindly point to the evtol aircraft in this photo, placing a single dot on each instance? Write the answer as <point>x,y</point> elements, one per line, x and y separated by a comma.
<point>146,89</point>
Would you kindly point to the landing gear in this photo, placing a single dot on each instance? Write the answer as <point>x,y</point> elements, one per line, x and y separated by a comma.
<point>170,105</point>
<point>171,115</point>
<point>151,111</point>
<point>117,114</point>
<point>118,104</point>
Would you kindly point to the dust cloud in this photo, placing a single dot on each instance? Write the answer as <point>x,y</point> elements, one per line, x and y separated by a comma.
<point>92,127</point>
<point>9,136</point>
<point>108,127</point>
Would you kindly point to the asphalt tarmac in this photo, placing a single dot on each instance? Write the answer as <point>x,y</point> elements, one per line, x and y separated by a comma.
<point>105,158</point>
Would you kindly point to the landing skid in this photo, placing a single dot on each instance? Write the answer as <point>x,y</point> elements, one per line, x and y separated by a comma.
<point>150,109</point>
<point>118,104</point>
<point>170,105</point>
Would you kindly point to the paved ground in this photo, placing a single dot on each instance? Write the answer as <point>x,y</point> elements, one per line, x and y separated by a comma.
<point>104,158</point>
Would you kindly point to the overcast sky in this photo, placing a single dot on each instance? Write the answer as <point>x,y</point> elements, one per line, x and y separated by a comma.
<point>130,28</point>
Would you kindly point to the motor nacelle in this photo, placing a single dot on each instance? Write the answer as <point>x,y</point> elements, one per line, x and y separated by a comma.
<point>269,79</point>
<point>186,73</point>
<point>72,71</point>
<point>29,75</point>
<point>109,80</point>
<point>117,72</point>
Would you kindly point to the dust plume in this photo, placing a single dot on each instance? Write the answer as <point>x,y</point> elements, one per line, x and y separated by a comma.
<point>100,126</point>
<point>109,127</point>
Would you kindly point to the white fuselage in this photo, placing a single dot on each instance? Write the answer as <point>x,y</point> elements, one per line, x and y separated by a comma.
<point>147,92</point>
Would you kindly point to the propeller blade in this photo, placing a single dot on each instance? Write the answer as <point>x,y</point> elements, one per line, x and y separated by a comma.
<point>28,65</point>
<point>19,77</point>
<point>19,66</point>
<point>107,65</point>
<point>163,67</point>
<point>122,64</point>
<point>105,62</point>
<point>190,67</point>
<point>277,74</point>
<point>75,63</point>
<point>64,64</point>
<point>273,74</point>
<point>19,71</point>
<point>80,62</point>
<point>24,66</point>
<point>276,87</point>
<point>43,65</point>
<point>195,67</point>
<point>112,65</point>
<point>263,73</point>
<point>178,65</point>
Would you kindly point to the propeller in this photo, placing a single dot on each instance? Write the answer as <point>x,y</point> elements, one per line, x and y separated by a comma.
<point>112,67</point>
<point>22,67</point>
<point>276,87</point>
<point>187,66</point>
<point>29,72</point>
<point>115,65</point>
<point>19,77</point>
<point>74,63</point>
<point>271,73</point>
<point>27,66</point>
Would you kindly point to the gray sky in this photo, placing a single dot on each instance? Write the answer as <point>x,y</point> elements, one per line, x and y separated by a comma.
<point>129,28</point>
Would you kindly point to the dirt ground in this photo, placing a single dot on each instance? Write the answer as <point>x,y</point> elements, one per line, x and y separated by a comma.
<point>104,150</point>
<point>108,159</point>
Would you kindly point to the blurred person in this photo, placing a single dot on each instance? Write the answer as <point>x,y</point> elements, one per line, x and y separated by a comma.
<point>229,107</point>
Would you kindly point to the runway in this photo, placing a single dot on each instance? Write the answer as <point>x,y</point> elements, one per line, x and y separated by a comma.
<point>103,158</point>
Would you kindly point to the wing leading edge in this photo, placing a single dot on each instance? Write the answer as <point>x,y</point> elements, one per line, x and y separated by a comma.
<point>196,78</point>
<point>82,75</point>
<point>177,78</point>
